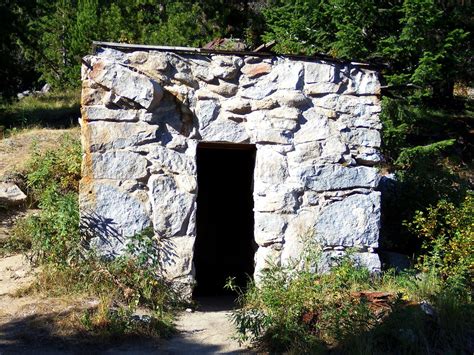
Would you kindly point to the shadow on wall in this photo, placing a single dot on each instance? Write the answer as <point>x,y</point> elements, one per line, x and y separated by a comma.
<point>94,225</point>
<point>175,113</point>
<point>161,252</point>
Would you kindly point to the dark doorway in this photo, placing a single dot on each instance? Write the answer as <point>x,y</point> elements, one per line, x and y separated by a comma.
<point>225,244</point>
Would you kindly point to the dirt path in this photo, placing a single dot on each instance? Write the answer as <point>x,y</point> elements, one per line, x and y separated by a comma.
<point>208,330</point>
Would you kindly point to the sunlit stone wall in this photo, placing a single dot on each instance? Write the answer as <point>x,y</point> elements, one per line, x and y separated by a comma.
<point>315,125</point>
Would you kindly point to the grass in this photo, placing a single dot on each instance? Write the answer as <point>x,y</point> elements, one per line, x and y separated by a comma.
<point>55,109</point>
<point>350,311</point>
<point>17,242</point>
<point>57,324</point>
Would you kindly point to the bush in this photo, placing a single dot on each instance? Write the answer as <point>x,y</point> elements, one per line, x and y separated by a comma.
<point>54,232</point>
<point>448,240</point>
<point>347,310</point>
<point>52,178</point>
<point>58,169</point>
<point>297,309</point>
<point>427,148</point>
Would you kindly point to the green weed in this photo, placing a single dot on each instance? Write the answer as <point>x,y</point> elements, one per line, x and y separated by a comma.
<point>19,240</point>
<point>58,169</point>
<point>447,233</point>
<point>347,310</point>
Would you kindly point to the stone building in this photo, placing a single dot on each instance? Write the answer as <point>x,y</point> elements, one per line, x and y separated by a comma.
<point>232,158</point>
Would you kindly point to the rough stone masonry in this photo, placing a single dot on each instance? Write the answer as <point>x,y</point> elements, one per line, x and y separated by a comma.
<point>314,123</point>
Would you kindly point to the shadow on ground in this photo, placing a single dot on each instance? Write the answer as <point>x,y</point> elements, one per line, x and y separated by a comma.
<point>43,334</point>
<point>207,330</point>
<point>64,117</point>
<point>34,334</point>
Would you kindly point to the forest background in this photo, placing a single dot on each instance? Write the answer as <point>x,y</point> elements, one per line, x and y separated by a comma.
<point>422,47</point>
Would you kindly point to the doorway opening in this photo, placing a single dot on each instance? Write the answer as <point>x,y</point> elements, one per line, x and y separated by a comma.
<point>225,245</point>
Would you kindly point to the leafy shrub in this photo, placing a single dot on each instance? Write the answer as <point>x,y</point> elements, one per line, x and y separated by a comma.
<point>295,310</point>
<point>52,177</point>
<point>425,146</point>
<point>54,232</point>
<point>122,284</point>
<point>59,167</point>
<point>448,239</point>
<point>138,274</point>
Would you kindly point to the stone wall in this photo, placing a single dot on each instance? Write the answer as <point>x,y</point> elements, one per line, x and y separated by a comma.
<point>314,123</point>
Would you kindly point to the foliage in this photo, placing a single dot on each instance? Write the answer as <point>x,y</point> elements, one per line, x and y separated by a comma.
<point>426,43</point>
<point>431,48</point>
<point>19,239</point>
<point>138,272</point>
<point>447,232</point>
<point>52,235</point>
<point>184,26</point>
<point>296,310</point>
<point>298,26</point>
<point>84,29</point>
<point>57,34</point>
<point>52,174</point>
<point>429,150</point>
<point>109,321</point>
<point>16,71</point>
<point>305,310</point>
<point>55,230</point>
<point>123,285</point>
<point>51,32</point>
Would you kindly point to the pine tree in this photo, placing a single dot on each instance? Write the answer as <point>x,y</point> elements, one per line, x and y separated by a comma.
<point>16,71</point>
<point>84,30</point>
<point>298,26</point>
<point>354,22</point>
<point>432,48</point>
<point>49,41</point>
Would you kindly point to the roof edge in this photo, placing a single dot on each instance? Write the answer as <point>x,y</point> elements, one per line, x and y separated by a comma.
<point>192,50</point>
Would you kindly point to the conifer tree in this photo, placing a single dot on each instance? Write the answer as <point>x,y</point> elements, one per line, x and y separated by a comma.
<point>49,41</point>
<point>84,29</point>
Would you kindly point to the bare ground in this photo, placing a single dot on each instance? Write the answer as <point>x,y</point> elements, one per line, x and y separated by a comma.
<point>207,330</point>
